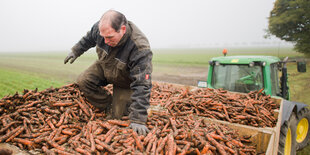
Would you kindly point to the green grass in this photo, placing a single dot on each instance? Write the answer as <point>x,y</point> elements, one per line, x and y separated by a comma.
<point>13,81</point>
<point>200,57</point>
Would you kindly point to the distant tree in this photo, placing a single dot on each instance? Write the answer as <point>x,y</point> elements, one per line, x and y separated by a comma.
<point>290,21</point>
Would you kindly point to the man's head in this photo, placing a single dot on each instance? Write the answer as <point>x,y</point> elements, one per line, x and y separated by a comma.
<point>112,27</point>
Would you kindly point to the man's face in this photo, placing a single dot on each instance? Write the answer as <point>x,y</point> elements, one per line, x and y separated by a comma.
<point>111,37</point>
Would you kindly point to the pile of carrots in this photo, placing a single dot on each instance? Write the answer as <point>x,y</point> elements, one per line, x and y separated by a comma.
<point>253,109</point>
<point>61,121</point>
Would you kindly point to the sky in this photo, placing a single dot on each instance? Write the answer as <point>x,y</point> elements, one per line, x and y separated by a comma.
<point>56,25</point>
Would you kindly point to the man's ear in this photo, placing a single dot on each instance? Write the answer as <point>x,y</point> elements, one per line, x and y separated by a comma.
<point>123,28</point>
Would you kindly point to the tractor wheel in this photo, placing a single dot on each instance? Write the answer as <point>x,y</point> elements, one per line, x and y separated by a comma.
<point>287,142</point>
<point>302,131</point>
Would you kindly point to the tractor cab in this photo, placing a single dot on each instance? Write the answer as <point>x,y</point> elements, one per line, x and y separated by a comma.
<point>248,73</point>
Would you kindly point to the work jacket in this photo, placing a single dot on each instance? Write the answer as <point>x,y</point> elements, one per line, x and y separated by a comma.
<point>127,65</point>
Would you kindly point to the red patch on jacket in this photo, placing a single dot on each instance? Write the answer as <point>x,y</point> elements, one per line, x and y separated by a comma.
<point>147,76</point>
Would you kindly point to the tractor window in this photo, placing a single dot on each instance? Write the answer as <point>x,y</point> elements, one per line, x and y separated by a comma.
<point>238,78</point>
<point>274,75</point>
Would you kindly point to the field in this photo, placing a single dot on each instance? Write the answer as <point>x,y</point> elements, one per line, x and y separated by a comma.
<point>19,71</point>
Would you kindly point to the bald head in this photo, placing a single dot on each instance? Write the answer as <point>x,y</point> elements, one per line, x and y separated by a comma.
<point>114,19</point>
<point>112,27</point>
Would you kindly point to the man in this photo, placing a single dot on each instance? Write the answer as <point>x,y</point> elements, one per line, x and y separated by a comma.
<point>124,60</point>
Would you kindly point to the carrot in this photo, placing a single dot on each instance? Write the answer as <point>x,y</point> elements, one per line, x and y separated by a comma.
<point>85,141</point>
<point>205,149</point>
<point>153,151</point>
<point>26,109</point>
<point>219,147</point>
<point>83,107</point>
<point>248,150</point>
<point>218,137</point>
<point>48,121</point>
<point>98,131</point>
<point>23,141</point>
<point>67,132</point>
<point>51,111</point>
<point>92,142</point>
<point>126,140</point>
<point>62,104</point>
<point>15,134</point>
<point>110,136</point>
<point>170,143</point>
<point>82,151</point>
<point>185,149</point>
<point>138,142</point>
<point>119,122</point>
<point>106,125</point>
<point>62,139</point>
<point>9,134</point>
<point>106,146</point>
<point>47,151</point>
<point>31,104</point>
<point>5,127</point>
<point>173,124</point>
<point>149,136</point>
<point>62,152</point>
<point>55,145</point>
<point>229,149</point>
<point>99,147</point>
<point>149,145</point>
<point>237,143</point>
<point>241,152</point>
<point>128,150</point>
<point>52,135</point>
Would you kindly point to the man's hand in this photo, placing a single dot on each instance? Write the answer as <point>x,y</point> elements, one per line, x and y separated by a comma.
<point>139,128</point>
<point>71,56</point>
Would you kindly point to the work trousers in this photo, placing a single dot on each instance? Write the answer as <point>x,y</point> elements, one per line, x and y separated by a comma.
<point>92,81</point>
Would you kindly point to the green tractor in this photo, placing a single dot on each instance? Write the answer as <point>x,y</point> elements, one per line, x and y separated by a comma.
<point>253,73</point>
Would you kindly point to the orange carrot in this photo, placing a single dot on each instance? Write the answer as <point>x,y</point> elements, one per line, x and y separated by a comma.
<point>119,122</point>
<point>62,104</point>
<point>83,107</point>
<point>104,145</point>
<point>15,134</point>
<point>9,134</point>
<point>138,142</point>
<point>216,144</point>
<point>82,151</point>
<point>23,141</point>
<point>237,143</point>
<point>170,143</point>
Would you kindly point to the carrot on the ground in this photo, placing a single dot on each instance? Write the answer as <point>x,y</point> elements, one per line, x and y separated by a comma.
<point>104,145</point>
<point>9,134</point>
<point>23,141</point>
<point>219,146</point>
<point>138,142</point>
<point>15,134</point>
<point>170,143</point>
<point>119,122</point>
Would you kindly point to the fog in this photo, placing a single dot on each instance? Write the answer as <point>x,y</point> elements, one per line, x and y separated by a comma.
<point>56,25</point>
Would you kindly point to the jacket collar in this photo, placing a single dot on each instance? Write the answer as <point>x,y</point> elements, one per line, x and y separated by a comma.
<point>125,36</point>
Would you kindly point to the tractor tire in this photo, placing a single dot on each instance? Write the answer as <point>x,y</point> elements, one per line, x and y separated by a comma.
<point>287,142</point>
<point>303,127</point>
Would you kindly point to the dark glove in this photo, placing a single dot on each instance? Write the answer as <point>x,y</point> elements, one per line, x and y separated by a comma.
<point>71,56</point>
<point>139,128</point>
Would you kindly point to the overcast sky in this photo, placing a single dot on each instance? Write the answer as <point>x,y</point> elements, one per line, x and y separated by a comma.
<point>56,25</point>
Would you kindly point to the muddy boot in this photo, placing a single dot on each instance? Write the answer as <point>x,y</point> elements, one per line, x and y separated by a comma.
<point>121,102</point>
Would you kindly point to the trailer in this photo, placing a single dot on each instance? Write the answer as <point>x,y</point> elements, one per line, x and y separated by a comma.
<point>265,139</point>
